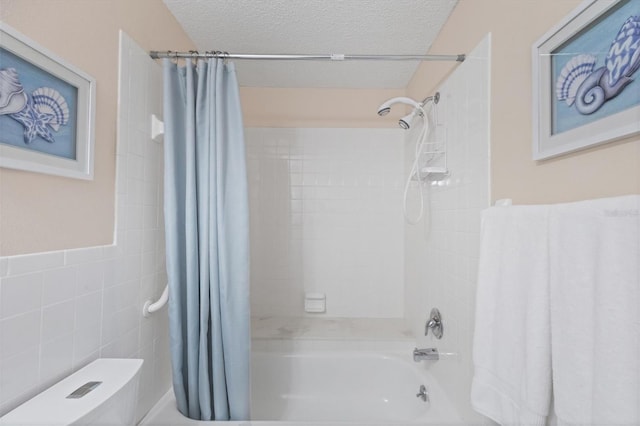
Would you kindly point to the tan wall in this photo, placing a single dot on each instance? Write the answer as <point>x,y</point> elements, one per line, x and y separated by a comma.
<point>279,107</point>
<point>608,170</point>
<point>42,212</point>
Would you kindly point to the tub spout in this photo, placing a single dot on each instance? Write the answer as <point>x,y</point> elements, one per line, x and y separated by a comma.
<point>430,354</point>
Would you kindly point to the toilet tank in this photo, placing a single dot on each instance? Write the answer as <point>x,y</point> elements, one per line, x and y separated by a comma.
<point>102,393</point>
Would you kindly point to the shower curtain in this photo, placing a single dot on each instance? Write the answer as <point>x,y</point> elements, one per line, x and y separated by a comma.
<point>207,233</point>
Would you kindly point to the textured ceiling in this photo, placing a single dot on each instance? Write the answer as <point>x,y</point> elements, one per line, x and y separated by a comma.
<point>316,27</point>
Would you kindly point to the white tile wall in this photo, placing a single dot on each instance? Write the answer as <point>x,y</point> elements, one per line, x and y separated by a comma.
<point>326,217</point>
<point>61,310</point>
<point>441,253</point>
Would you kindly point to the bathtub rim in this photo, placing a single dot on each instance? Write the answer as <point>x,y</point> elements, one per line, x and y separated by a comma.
<point>168,399</point>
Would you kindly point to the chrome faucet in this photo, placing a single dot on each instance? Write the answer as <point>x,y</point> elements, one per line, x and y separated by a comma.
<point>430,354</point>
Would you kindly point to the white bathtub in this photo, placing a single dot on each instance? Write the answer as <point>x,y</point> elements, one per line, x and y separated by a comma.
<point>329,387</point>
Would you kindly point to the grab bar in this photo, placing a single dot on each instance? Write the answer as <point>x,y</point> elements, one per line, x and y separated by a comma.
<point>151,307</point>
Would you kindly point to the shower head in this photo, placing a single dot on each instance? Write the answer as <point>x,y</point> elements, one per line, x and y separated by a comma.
<point>406,121</point>
<point>386,106</point>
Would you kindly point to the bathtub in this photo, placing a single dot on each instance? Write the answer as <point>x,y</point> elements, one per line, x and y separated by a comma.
<point>330,387</point>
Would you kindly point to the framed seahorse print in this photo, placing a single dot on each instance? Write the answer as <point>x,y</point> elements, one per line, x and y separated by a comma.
<point>47,110</point>
<point>586,83</point>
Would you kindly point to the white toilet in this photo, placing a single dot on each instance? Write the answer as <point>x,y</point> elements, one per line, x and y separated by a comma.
<point>102,393</point>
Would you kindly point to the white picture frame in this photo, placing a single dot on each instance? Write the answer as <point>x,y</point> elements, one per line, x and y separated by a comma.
<point>579,41</point>
<point>47,110</point>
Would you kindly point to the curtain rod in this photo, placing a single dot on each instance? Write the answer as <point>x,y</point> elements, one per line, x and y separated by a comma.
<point>303,57</point>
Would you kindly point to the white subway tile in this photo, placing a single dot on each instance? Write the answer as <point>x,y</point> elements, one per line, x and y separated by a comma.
<point>121,219</point>
<point>35,262</point>
<point>110,251</point>
<point>150,329</point>
<point>133,242</point>
<point>19,333</point>
<point>110,271</point>
<point>83,255</point>
<point>19,294</point>
<point>150,239</point>
<point>146,391</point>
<point>79,363</point>
<point>135,167</point>
<point>152,156</point>
<point>4,266</point>
<point>88,310</point>
<point>90,277</point>
<point>148,289</point>
<point>136,140</point>
<point>120,297</point>
<point>131,268</point>
<point>134,191</point>
<point>123,123</point>
<point>119,242</point>
<point>331,159</point>
<point>57,320</point>
<point>149,216</point>
<point>138,116</point>
<point>120,323</point>
<point>86,341</point>
<point>150,193</point>
<point>149,265</point>
<point>59,285</point>
<point>19,376</point>
<point>134,216</point>
<point>56,359</point>
<point>124,346</point>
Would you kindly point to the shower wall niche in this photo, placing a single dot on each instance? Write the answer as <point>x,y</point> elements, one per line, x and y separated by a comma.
<point>326,216</point>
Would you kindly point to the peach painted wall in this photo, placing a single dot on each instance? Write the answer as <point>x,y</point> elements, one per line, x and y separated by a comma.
<point>608,170</point>
<point>280,107</point>
<point>43,212</point>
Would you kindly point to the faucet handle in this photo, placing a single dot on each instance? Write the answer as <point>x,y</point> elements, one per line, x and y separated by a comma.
<point>434,324</point>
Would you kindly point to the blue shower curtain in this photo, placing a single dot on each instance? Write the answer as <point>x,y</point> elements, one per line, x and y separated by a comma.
<point>207,233</point>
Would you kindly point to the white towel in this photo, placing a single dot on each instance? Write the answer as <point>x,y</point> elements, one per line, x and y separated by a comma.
<point>595,311</point>
<point>511,348</point>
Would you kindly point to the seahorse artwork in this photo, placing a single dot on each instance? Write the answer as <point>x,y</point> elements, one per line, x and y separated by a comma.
<point>40,113</point>
<point>580,84</point>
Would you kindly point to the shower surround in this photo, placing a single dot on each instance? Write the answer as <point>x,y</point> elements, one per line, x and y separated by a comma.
<point>441,254</point>
<point>326,216</point>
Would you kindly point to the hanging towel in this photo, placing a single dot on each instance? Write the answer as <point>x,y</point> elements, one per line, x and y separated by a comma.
<point>511,353</point>
<point>595,311</point>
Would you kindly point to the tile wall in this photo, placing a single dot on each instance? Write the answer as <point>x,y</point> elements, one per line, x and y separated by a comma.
<point>326,217</point>
<point>60,310</point>
<point>441,253</point>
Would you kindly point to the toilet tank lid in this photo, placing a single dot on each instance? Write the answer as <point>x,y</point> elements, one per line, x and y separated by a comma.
<point>52,407</point>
